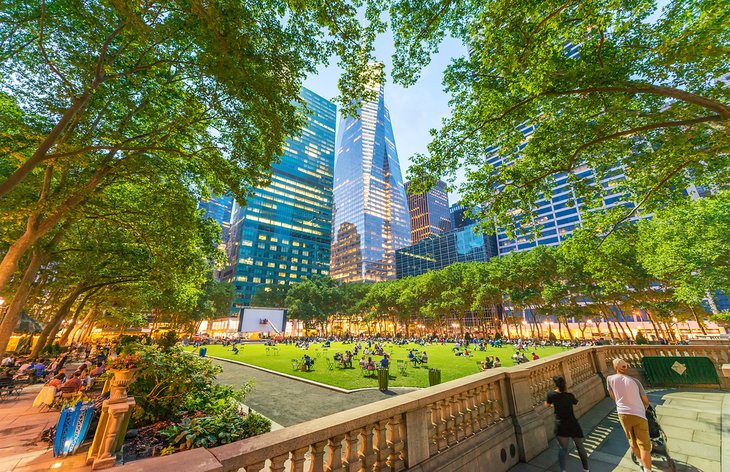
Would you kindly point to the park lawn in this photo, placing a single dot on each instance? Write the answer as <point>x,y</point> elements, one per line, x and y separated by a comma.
<point>439,357</point>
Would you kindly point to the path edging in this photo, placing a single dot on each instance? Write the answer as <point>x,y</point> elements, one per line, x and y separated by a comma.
<point>294,377</point>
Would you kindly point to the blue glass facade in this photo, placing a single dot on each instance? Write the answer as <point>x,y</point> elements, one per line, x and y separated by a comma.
<point>429,212</point>
<point>219,208</point>
<point>458,217</point>
<point>370,212</point>
<point>437,252</point>
<point>283,233</point>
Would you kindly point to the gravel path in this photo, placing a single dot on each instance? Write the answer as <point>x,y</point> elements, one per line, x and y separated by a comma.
<point>287,402</point>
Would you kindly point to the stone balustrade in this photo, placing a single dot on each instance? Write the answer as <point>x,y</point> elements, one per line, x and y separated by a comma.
<point>496,418</point>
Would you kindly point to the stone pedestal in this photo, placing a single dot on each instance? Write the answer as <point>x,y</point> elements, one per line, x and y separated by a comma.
<point>112,428</point>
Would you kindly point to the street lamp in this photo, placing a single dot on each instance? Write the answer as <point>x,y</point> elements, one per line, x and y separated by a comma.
<point>676,327</point>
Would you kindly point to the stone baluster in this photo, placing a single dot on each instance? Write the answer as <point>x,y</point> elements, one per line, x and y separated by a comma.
<point>380,446</point>
<point>366,451</point>
<point>473,404</point>
<point>256,466</point>
<point>443,426</point>
<point>334,454</point>
<point>450,415</point>
<point>277,463</point>
<point>483,406</point>
<point>352,458</point>
<point>434,433</point>
<point>395,444</point>
<point>458,413</point>
<point>316,458</point>
<point>298,458</point>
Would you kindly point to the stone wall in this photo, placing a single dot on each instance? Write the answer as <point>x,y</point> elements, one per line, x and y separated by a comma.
<point>486,421</point>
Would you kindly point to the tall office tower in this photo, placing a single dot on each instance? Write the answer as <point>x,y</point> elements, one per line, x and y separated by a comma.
<point>219,208</point>
<point>429,212</point>
<point>459,219</point>
<point>560,215</point>
<point>438,251</point>
<point>370,211</point>
<point>283,233</point>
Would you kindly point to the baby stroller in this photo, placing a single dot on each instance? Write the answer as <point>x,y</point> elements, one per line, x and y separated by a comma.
<point>659,448</point>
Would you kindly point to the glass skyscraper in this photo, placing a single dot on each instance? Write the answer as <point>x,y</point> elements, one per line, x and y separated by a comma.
<point>438,251</point>
<point>429,212</point>
<point>370,211</point>
<point>283,233</point>
<point>219,208</point>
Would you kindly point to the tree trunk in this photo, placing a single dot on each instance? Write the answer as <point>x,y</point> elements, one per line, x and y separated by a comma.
<point>699,321</point>
<point>52,326</point>
<point>713,306</point>
<point>80,327</point>
<point>12,315</point>
<point>64,336</point>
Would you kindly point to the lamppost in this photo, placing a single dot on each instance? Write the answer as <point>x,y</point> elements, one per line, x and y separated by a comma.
<point>524,323</point>
<point>550,329</point>
<point>590,323</point>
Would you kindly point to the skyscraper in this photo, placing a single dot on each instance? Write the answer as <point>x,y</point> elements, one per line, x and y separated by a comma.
<point>370,212</point>
<point>429,212</point>
<point>459,219</point>
<point>438,251</point>
<point>283,233</point>
<point>219,208</point>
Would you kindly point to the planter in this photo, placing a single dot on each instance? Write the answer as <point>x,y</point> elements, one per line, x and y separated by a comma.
<point>122,379</point>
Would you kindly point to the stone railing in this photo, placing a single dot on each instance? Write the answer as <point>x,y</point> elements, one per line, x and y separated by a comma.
<point>494,418</point>
<point>633,355</point>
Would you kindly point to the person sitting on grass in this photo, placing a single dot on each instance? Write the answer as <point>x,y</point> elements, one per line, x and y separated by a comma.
<point>497,363</point>
<point>308,362</point>
<point>535,356</point>
<point>483,366</point>
<point>234,349</point>
<point>363,363</point>
<point>516,358</point>
<point>489,362</point>
<point>424,358</point>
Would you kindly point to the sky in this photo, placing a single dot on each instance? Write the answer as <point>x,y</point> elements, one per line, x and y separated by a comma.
<point>413,110</point>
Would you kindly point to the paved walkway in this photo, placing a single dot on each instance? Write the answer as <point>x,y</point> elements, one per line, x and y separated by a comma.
<point>288,402</point>
<point>697,424</point>
<point>21,426</point>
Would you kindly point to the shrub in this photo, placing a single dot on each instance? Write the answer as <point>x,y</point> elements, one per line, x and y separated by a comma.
<point>167,341</point>
<point>171,384</point>
<point>209,431</point>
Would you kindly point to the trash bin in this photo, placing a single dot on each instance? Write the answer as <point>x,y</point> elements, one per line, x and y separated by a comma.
<point>434,377</point>
<point>203,351</point>
<point>383,379</point>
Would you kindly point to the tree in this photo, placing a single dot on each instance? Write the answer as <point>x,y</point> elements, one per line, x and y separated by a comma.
<point>271,295</point>
<point>688,247</point>
<point>600,85</point>
<point>205,92</point>
<point>313,300</point>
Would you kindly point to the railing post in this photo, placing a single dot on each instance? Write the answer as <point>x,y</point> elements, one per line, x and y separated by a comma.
<point>529,424</point>
<point>418,425</point>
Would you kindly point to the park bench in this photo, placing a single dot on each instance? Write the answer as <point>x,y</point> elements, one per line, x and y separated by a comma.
<point>8,387</point>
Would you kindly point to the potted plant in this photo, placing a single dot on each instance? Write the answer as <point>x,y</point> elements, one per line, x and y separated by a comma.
<point>123,367</point>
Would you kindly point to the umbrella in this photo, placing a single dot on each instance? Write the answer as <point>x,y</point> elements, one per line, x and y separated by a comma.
<point>27,325</point>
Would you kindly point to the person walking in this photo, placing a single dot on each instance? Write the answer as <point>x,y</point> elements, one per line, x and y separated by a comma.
<point>566,424</point>
<point>631,404</point>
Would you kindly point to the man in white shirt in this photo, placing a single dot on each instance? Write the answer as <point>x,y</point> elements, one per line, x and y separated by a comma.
<point>631,404</point>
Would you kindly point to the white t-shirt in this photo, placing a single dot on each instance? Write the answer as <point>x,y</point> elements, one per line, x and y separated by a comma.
<point>627,391</point>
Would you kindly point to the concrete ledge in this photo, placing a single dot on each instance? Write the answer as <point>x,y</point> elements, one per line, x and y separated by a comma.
<point>726,370</point>
<point>312,382</point>
<point>194,460</point>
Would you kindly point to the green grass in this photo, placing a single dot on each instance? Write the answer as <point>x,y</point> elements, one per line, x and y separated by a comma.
<point>440,357</point>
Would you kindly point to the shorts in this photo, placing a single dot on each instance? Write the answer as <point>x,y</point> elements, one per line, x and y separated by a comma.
<point>637,431</point>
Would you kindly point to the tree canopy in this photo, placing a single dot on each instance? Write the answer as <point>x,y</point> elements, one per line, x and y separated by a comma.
<point>587,90</point>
